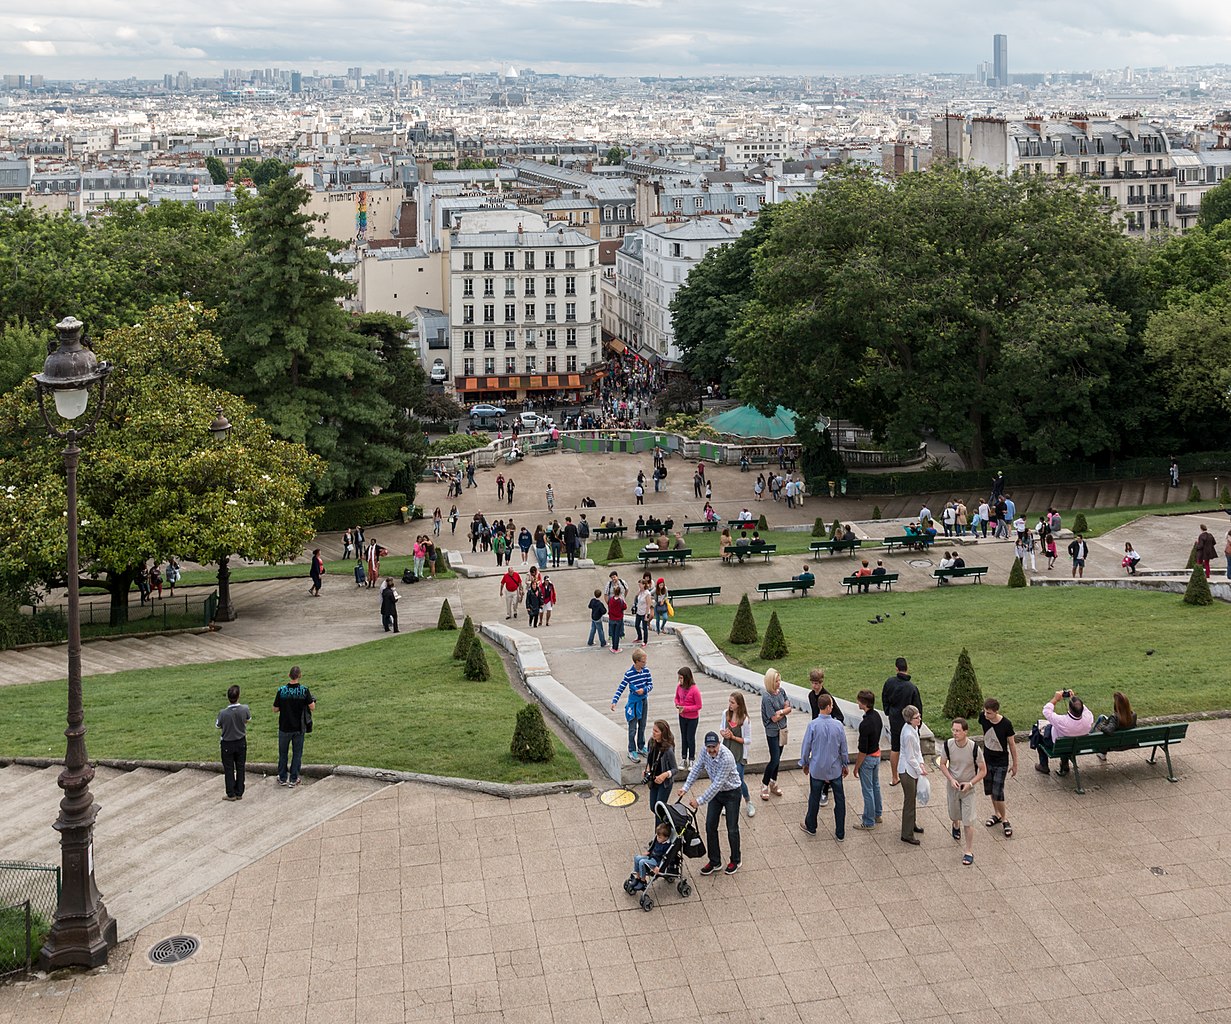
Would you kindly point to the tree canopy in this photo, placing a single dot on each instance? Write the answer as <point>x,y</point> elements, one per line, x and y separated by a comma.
<point>152,481</point>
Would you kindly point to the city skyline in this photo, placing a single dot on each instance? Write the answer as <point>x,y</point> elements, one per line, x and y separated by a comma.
<point>615,37</point>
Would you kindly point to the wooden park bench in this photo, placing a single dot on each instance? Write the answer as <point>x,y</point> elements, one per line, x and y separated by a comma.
<point>803,586</point>
<point>907,541</point>
<point>833,546</point>
<point>1153,736</point>
<point>884,579</point>
<point>742,551</point>
<point>700,525</point>
<point>680,555</point>
<point>977,571</point>
<point>679,593</point>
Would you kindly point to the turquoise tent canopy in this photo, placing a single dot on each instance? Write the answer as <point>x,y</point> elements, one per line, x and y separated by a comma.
<point>745,421</point>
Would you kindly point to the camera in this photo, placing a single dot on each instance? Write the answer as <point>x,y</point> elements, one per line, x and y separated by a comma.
<point>1066,694</point>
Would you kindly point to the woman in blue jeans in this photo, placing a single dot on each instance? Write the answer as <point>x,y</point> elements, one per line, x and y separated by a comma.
<point>774,710</point>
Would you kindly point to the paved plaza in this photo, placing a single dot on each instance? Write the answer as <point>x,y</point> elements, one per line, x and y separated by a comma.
<point>422,904</point>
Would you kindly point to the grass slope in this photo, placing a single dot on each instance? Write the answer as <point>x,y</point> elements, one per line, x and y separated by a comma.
<point>398,703</point>
<point>1024,644</point>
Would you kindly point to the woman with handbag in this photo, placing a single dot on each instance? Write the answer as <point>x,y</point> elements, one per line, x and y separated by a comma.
<point>774,710</point>
<point>911,771</point>
<point>660,764</point>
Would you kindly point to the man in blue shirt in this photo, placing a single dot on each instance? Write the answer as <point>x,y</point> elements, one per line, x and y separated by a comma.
<point>723,794</point>
<point>825,755</point>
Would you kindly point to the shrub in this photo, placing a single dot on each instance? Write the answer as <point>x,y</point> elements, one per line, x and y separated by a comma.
<point>1080,525</point>
<point>531,737</point>
<point>774,645</point>
<point>835,531</point>
<point>464,639</point>
<point>614,551</point>
<point>1198,590</point>
<point>383,508</point>
<point>457,444</point>
<point>876,511</point>
<point>965,700</point>
<point>762,524</point>
<point>446,620</point>
<point>744,628</point>
<point>1194,493</point>
<point>476,669</point>
<point>1017,575</point>
<point>818,527</point>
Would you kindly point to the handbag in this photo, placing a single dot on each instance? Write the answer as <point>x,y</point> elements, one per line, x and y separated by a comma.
<point>923,792</point>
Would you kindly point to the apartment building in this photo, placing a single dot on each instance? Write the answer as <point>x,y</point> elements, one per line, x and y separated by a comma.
<point>523,306</point>
<point>669,252</point>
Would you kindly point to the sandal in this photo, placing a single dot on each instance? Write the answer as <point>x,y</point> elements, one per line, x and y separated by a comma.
<point>1008,830</point>
<point>993,821</point>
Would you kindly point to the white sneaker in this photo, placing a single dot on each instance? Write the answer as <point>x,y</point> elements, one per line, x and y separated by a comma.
<point>752,811</point>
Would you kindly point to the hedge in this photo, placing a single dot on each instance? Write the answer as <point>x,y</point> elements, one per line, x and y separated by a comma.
<point>383,508</point>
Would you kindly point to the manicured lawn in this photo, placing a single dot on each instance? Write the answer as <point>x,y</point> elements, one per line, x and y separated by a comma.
<point>1024,644</point>
<point>399,703</point>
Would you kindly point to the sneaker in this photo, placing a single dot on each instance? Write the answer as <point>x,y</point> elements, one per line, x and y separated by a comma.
<point>752,811</point>
<point>633,756</point>
<point>709,869</point>
<point>731,868</point>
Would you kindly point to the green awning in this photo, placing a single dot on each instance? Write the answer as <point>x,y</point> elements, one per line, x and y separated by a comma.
<point>745,421</point>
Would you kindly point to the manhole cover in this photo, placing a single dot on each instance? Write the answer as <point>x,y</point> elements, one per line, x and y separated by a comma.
<point>618,797</point>
<point>174,950</point>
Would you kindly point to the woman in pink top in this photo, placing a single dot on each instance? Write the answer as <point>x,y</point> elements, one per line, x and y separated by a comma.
<point>688,703</point>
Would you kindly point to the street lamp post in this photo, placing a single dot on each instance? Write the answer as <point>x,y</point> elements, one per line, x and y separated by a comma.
<point>219,429</point>
<point>83,931</point>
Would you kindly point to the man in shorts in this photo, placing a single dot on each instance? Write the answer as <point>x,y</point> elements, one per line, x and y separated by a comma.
<point>998,749</point>
<point>962,766</point>
<point>896,694</point>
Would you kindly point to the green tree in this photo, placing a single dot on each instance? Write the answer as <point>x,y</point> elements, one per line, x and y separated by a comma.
<point>709,303</point>
<point>294,353</point>
<point>22,351</point>
<point>531,738</point>
<point>1215,206</point>
<point>217,170</point>
<point>773,646</point>
<point>744,628</point>
<point>965,699</point>
<point>1198,590</point>
<point>152,482</point>
<point>935,302</point>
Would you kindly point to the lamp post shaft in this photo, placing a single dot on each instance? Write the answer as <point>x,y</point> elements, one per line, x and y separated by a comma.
<point>83,931</point>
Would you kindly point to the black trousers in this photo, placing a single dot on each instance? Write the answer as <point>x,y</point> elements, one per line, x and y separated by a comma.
<point>234,756</point>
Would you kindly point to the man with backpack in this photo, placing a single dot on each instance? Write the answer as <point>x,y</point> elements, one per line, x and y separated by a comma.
<point>962,766</point>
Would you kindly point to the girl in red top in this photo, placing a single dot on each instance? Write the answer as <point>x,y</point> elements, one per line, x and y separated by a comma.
<point>688,703</point>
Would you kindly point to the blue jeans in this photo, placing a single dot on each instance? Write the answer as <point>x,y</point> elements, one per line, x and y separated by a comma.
<point>814,804</point>
<point>293,741</point>
<point>636,733</point>
<point>870,783</point>
<point>643,865</point>
<point>596,628</point>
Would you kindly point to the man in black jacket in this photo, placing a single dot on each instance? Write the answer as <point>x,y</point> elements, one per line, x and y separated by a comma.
<point>897,693</point>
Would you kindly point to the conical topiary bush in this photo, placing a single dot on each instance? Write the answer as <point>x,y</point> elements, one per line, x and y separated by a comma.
<point>1198,590</point>
<point>614,552</point>
<point>818,527</point>
<point>446,620</point>
<point>464,639</point>
<point>774,645</point>
<point>1079,523</point>
<point>744,628</point>
<point>1017,575</point>
<point>476,669</point>
<point>965,699</point>
<point>531,737</point>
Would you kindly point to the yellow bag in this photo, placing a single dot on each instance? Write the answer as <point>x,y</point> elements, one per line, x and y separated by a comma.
<point>670,609</point>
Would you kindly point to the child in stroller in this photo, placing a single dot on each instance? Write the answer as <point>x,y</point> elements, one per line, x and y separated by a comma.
<point>675,837</point>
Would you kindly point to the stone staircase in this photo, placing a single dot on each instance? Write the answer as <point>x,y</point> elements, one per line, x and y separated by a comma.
<point>163,837</point>
<point>99,657</point>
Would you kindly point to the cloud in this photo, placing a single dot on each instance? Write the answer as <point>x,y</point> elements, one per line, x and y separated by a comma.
<point>117,38</point>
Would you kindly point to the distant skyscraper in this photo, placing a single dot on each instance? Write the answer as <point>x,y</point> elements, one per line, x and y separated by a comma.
<point>1000,59</point>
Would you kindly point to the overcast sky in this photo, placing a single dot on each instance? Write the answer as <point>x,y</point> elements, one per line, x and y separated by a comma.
<point>117,38</point>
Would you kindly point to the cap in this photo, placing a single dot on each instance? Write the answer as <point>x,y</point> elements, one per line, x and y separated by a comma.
<point>711,739</point>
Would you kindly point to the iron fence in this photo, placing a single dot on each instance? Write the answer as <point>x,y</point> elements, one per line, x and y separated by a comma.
<point>29,894</point>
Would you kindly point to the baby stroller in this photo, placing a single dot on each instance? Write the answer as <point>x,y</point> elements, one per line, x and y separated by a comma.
<point>685,842</point>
